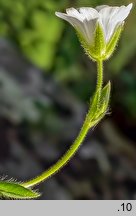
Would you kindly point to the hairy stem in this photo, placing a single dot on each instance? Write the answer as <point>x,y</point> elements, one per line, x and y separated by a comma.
<point>99,76</point>
<point>65,158</point>
<point>74,147</point>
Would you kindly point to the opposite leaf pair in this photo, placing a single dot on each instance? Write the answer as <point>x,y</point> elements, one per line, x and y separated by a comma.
<point>99,105</point>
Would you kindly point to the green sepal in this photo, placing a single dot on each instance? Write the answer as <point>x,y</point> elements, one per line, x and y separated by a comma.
<point>99,45</point>
<point>86,47</point>
<point>96,50</point>
<point>111,45</point>
<point>14,190</point>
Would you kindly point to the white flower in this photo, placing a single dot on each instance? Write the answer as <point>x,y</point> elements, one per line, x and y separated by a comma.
<point>86,19</point>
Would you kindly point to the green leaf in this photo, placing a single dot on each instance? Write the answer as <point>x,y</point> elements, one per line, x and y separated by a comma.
<point>105,97</point>
<point>94,104</point>
<point>16,191</point>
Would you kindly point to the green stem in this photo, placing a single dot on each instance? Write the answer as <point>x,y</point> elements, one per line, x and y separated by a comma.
<point>82,134</point>
<point>99,76</point>
<point>65,158</point>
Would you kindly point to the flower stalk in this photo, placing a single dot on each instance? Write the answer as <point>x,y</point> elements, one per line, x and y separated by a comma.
<point>65,158</point>
<point>99,76</point>
<point>77,143</point>
<point>99,43</point>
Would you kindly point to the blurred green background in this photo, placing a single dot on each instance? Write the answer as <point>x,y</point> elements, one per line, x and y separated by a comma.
<point>46,82</point>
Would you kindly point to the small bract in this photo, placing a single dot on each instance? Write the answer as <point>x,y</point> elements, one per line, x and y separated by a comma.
<point>98,28</point>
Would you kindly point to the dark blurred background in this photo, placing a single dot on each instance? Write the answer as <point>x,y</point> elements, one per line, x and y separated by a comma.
<point>46,82</point>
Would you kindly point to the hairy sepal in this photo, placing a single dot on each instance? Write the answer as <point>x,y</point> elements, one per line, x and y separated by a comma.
<point>98,47</point>
<point>111,45</point>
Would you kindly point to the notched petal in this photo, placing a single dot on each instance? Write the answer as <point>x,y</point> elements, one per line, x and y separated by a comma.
<point>74,13</point>
<point>89,13</point>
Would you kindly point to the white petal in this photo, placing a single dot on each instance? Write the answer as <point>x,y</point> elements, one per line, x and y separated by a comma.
<point>72,20</point>
<point>77,24</point>
<point>111,17</point>
<point>89,13</point>
<point>107,18</point>
<point>89,28</point>
<point>98,8</point>
<point>123,13</point>
<point>74,13</point>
